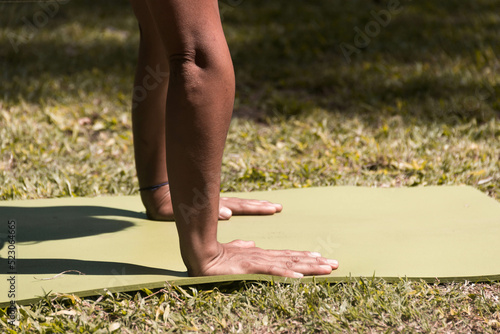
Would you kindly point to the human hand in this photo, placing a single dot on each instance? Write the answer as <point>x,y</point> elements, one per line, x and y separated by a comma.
<point>242,257</point>
<point>229,206</point>
<point>158,206</point>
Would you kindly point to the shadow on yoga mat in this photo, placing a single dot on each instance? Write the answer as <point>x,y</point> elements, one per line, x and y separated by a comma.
<point>86,245</point>
<point>65,222</point>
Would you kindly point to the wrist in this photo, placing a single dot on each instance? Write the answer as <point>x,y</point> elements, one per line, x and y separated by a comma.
<point>197,257</point>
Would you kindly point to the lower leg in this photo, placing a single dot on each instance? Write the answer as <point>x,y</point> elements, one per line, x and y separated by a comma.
<point>199,105</point>
<point>148,117</point>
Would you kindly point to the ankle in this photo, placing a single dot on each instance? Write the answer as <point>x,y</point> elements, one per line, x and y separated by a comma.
<point>158,203</point>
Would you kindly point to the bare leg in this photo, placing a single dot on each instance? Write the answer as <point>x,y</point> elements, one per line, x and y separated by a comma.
<point>199,105</point>
<point>148,119</point>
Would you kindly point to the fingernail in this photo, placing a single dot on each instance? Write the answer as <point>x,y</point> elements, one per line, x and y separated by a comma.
<point>225,213</point>
<point>315,254</point>
<point>333,263</point>
<point>298,275</point>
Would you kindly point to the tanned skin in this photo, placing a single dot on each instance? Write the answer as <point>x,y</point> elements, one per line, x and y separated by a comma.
<point>180,120</point>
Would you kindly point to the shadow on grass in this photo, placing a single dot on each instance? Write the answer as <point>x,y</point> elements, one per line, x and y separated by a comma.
<point>289,59</point>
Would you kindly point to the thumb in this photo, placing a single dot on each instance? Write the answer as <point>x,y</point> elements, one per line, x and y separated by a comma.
<point>225,213</point>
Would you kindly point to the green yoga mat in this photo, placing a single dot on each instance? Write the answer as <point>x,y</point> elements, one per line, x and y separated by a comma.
<point>449,233</point>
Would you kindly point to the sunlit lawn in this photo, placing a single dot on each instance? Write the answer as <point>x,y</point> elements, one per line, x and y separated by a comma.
<point>417,105</point>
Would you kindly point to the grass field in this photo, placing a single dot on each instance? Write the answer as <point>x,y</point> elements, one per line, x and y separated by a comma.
<point>415,102</point>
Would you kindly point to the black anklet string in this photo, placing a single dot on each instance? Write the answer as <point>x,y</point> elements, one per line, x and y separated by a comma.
<point>154,187</point>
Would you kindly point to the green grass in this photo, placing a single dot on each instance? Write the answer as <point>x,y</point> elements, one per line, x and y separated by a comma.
<point>359,306</point>
<point>420,105</point>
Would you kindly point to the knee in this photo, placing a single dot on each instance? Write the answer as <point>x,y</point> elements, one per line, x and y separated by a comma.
<point>209,55</point>
<point>195,68</point>
<point>188,61</point>
<point>185,73</point>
